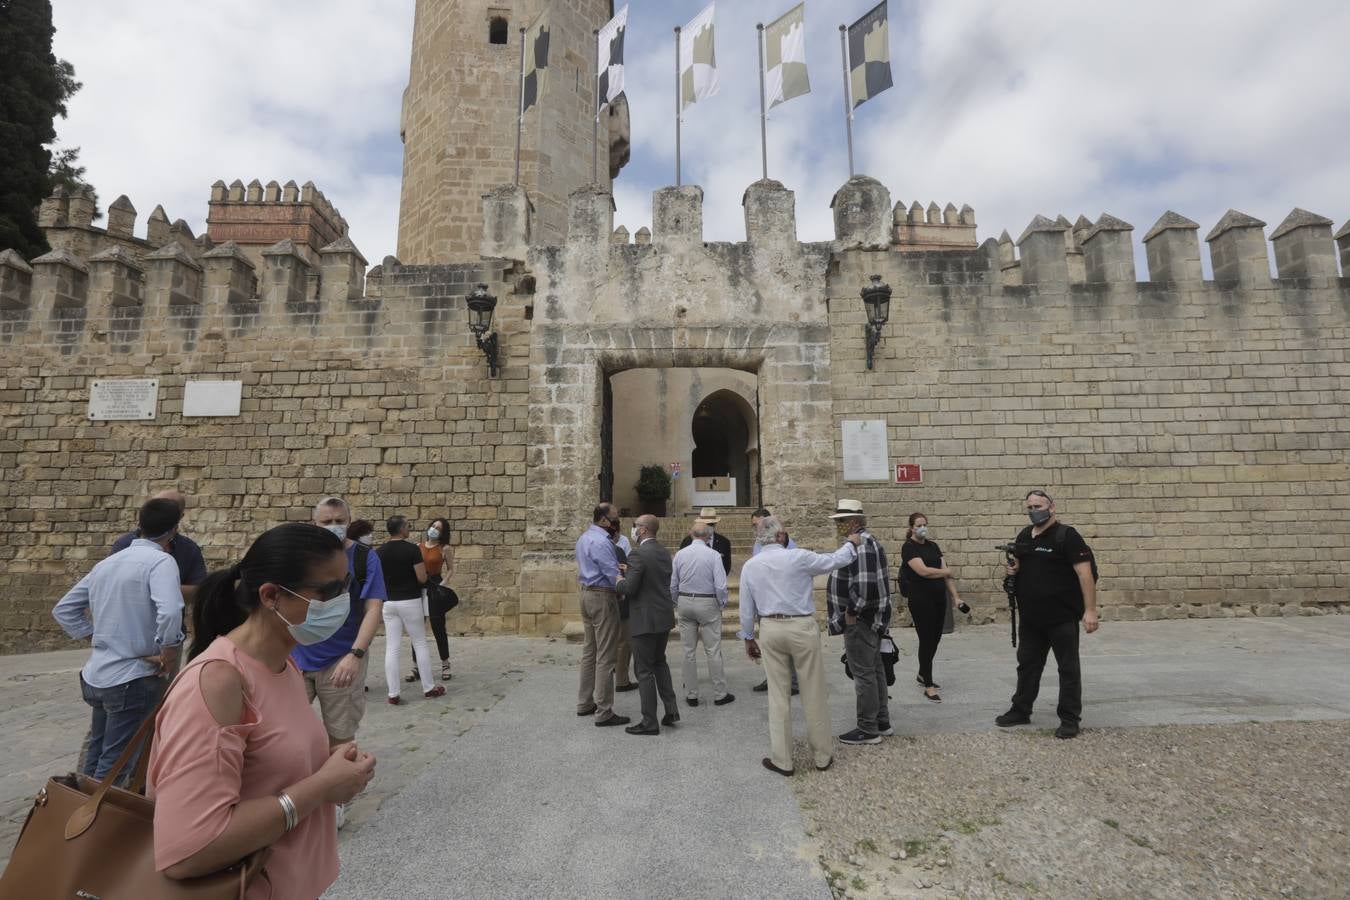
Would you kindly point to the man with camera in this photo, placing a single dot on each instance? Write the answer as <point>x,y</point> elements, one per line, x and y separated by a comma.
<point>1055,588</point>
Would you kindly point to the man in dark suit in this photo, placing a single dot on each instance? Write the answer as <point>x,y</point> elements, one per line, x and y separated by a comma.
<point>708,517</point>
<point>651,616</point>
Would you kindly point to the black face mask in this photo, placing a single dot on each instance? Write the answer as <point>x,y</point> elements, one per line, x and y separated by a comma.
<point>1039,516</point>
<point>611,527</point>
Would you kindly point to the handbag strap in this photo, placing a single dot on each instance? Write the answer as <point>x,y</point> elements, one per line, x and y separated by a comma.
<point>80,820</point>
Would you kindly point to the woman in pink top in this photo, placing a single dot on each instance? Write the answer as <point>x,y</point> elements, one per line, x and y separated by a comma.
<point>240,761</point>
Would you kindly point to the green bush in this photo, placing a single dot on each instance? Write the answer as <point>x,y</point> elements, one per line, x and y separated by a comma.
<point>653,484</point>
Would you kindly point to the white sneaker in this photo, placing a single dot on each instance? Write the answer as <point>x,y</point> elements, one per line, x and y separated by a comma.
<point>341,815</point>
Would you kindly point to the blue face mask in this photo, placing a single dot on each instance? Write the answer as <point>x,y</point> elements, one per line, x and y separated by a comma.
<point>322,620</point>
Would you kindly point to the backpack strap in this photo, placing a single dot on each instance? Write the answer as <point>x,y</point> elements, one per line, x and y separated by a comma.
<point>359,570</point>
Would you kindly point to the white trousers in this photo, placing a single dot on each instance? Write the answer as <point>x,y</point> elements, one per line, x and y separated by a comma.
<point>401,615</point>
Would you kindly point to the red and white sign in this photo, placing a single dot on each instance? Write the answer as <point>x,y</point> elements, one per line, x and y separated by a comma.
<point>908,473</point>
<point>674,470</point>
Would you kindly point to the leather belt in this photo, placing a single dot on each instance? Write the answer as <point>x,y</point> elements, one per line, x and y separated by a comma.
<point>597,590</point>
<point>698,596</point>
<point>786,615</point>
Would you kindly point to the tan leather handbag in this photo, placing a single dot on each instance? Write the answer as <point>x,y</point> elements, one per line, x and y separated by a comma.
<point>89,840</point>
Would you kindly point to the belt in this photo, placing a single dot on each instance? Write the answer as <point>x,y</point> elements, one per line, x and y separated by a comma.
<point>698,596</point>
<point>597,590</point>
<point>786,615</point>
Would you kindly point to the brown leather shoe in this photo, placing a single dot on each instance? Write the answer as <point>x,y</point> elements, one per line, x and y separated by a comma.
<point>768,764</point>
<point>437,691</point>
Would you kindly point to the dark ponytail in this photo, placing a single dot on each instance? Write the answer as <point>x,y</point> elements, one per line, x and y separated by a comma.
<point>283,555</point>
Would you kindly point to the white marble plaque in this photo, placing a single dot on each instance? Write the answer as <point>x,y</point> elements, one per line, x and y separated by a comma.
<point>128,398</point>
<point>865,454</point>
<point>212,398</point>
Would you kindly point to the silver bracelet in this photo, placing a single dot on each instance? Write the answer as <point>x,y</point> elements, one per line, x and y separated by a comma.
<point>288,810</point>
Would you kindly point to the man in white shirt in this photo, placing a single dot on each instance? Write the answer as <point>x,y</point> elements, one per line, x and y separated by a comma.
<point>776,588</point>
<point>698,583</point>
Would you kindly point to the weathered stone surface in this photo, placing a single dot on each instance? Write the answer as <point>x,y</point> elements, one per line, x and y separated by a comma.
<point>862,212</point>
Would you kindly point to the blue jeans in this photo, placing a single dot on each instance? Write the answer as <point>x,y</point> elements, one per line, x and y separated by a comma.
<point>118,712</point>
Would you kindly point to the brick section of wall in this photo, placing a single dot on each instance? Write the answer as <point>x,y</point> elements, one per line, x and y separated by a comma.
<point>1195,434</point>
<point>382,399</point>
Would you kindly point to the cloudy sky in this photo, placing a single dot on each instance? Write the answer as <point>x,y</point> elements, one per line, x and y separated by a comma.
<point>1015,108</point>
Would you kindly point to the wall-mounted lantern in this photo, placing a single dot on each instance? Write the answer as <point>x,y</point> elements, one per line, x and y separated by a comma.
<point>481,305</point>
<point>877,300</point>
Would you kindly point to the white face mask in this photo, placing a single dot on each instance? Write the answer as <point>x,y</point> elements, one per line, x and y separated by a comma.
<point>339,529</point>
<point>367,539</point>
<point>921,531</point>
<point>433,534</point>
<point>633,534</point>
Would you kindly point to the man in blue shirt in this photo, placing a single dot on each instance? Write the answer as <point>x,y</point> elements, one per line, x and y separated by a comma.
<point>335,669</point>
<point>597,575</point>
<point>130,606</point>
<point>183,549</point>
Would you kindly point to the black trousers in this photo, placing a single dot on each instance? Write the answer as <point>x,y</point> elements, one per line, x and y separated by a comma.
<point>436,613</point>
<point>928,616</point>
<point>653,675</point>
<point>1034,643</point>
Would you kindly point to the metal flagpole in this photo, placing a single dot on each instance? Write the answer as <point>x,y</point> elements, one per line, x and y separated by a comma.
<point>520,119</point>
<point>595,126</point>
<point>677,106</point>
<point>848,100</point>
<point>763,114</point>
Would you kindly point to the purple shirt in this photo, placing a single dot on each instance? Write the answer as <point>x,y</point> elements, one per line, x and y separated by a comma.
<point>325,653</point>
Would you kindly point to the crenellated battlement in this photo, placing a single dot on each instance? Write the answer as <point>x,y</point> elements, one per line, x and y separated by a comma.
<point>256,216</point>
<point>67,219</point>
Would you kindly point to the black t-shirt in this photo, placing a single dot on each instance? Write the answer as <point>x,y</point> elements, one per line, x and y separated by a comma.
<point>397,559</point>
<point>1048,592</point>
<point>916,587</point>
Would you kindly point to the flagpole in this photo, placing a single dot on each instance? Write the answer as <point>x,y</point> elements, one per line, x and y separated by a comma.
<point>520,119</point>
<point>848,100</point>
<point>595,127</point>
<point>763,115</point>
<point>677,106</point>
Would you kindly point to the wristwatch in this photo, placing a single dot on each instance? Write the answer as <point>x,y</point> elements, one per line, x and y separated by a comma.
<point>357,652</point>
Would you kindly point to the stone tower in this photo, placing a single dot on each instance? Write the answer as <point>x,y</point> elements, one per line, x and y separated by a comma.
<point>459,121</point>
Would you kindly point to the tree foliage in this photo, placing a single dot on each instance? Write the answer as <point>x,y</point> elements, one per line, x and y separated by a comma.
<point>34,88</point>
<point>653,484</point>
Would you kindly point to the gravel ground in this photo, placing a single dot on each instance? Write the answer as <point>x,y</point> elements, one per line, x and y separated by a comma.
<point>1249,810</point>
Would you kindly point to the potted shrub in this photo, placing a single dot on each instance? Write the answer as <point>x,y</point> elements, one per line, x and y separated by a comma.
<point>653,490</point>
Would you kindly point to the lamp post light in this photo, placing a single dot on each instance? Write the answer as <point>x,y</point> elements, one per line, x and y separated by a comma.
<point>877,300</point>
<point>481,305</point>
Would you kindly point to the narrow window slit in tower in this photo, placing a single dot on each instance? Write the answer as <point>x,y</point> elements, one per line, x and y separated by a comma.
<point>497,28</point>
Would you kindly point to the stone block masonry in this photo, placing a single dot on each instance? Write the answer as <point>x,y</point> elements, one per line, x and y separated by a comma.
<point>1195,431</point>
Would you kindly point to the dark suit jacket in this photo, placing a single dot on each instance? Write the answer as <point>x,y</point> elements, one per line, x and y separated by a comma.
<point>647,588</point>
<point>720,544</point>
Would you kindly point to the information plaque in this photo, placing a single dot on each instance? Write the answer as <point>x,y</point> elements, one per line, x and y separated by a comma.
<point>212,398</point>
<point>130,398</point>
<point>865,455</point>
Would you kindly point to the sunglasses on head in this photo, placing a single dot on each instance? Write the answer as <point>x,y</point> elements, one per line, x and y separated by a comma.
<point>328,590</point>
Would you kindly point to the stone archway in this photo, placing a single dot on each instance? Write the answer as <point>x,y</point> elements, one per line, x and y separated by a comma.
<point>725,431</point>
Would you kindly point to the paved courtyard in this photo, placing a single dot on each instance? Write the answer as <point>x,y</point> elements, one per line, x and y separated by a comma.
<point>1213,761</point>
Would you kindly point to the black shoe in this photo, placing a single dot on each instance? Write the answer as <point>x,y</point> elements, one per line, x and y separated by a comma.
<point>587,712</point>
<point>670,719</point>
<point>1066,731</point>
<point>692,701</point>
<point>919,682</point>
<point>625,687</point>
<point>761,687</point>
<point>826,767</point>
<point>724,700</point>
<point>936,698</point>
<point>612,721</point>
<point>1012,717</point>
<point>795,692</point>
<point>642,729</point>
<point>858,736</point>
<point>768,764</point>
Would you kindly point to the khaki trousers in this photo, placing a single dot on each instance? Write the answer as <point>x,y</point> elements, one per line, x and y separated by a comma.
<point>600,621</point>
<point>785,644</point>
<point>623,650</point>
<point>701,617</point>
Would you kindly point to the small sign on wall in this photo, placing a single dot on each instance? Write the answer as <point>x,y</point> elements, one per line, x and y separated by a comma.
<point>866,457</point>
<point>212,398</point>
<point>908,473</point>
<point>123,399</point>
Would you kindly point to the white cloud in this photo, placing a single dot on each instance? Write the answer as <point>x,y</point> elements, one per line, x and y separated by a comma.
<point>1015,108</point>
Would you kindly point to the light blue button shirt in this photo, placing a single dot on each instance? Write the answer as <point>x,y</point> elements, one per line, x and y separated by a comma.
<point>136,604</point>
<point>597,565</point>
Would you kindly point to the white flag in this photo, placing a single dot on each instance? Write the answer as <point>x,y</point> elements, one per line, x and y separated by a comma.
<point>609,58</point>
<point>698,64</point>
<point>785,57</point>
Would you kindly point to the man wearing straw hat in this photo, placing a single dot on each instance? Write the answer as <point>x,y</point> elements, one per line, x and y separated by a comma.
<point>708,516</point>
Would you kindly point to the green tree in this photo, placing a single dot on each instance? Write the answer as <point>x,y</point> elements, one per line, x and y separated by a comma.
<point>34,88</point>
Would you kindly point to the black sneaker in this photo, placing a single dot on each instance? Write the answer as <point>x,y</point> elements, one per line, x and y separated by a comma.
<point>858,736</point>
<point>1012,717</point>
<point>724,700</point>
<point>692,701</point>
<point>761,687</point>
<point>1066,730</point>
<point>612,721</point>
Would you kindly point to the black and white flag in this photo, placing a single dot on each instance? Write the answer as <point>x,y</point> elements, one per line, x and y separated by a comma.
<point>609,59</point>
<point>534,77</point>
<point>869,55</point>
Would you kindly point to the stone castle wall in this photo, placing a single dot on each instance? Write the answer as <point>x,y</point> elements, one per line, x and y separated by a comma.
<point>1194,430</point>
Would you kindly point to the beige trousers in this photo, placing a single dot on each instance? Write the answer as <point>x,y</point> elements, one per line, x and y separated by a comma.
<point>788,643</point>
<point>600,621</point>
<point>623,650</point>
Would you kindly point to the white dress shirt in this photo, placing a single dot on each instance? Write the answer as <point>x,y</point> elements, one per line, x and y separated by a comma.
<point>697,569</point>
<point>777,581</point>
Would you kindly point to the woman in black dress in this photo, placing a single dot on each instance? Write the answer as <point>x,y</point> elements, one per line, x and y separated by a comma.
<point>927,584</point>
